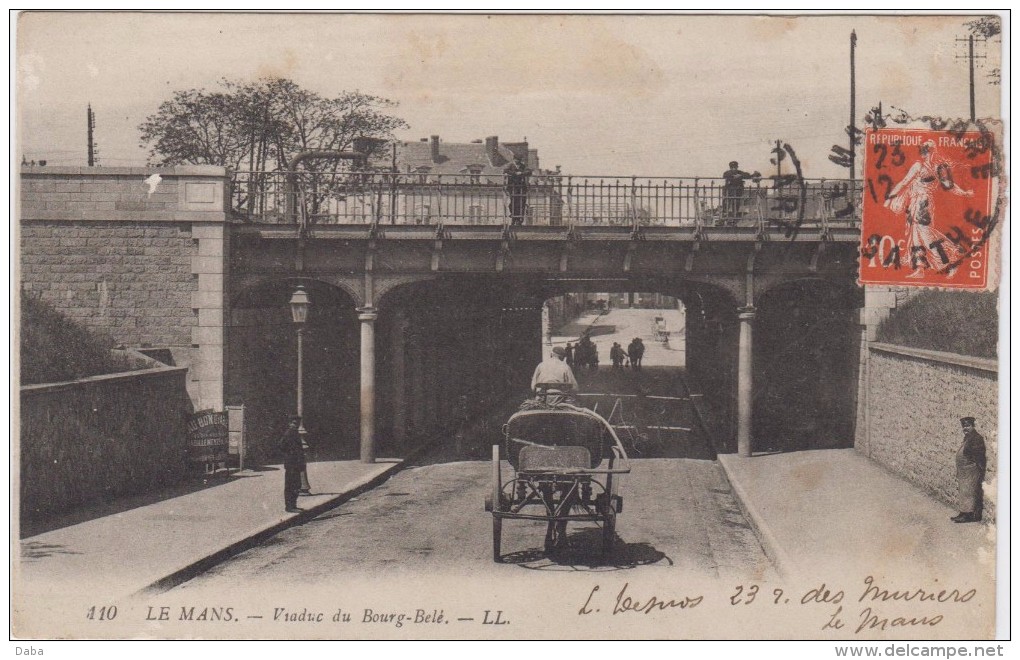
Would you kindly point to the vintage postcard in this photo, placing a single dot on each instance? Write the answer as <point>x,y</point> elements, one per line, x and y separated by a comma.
<point>465,326</point>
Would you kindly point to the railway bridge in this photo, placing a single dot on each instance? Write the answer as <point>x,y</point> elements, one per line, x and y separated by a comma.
<point>427,290</point>
<point>434,289</point>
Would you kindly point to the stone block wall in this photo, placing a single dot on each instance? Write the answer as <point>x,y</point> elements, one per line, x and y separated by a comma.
<point>130,280</point>
<point>914,401</point>
<point>135,253</point>
<point>95,439</point>
<point>879,302</point>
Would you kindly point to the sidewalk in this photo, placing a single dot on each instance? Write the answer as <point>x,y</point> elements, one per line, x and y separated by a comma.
<point>820,516</point>
<point>155,547</point>
<point>835,512</point>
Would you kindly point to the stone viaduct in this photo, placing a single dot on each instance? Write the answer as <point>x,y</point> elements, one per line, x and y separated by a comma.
<point>406,318</point>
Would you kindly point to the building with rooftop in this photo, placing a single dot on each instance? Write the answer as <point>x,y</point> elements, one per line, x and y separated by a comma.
<point>430,181</point>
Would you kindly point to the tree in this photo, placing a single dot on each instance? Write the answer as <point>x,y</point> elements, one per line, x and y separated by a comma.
<point>985,26</point>
<point>261,126</point>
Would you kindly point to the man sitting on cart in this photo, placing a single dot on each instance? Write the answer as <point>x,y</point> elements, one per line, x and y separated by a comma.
<point>554,373</point>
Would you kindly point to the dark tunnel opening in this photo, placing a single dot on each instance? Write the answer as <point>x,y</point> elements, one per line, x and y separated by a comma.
<point>454,350</point>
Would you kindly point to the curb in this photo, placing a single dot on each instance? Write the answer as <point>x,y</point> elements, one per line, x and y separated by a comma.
<point>773,550</point>
<point>251,539</point>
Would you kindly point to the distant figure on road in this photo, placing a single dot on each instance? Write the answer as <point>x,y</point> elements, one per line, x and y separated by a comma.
<point>517,174</point>
<point>970,472</point>
<point>553,371</point>
<point>570,355</point>
<point>617,355</point>
<point>636,351</point>
<point>293,463</point>
<point>733,191</point>
<point>584,356</point>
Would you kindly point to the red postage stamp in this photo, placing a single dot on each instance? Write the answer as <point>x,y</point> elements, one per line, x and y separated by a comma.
<point>927,208</point>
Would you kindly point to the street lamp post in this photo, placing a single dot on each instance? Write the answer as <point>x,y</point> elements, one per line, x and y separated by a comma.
<point>299,304</point>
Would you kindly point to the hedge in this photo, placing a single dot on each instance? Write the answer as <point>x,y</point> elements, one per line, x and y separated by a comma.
<point>962,322</point>
<point>56,349</point>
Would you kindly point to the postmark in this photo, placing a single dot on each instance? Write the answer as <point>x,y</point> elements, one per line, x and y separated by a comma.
<point>928,207</point>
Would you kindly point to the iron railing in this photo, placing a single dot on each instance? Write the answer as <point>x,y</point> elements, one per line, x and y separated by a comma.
<point>383,198</point>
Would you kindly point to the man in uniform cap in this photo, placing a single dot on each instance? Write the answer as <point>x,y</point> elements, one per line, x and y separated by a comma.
<point>733,191</point>
<point>293,463</point>
<point>970,472</point>
<point>517,174</point>
<point>554,371</point>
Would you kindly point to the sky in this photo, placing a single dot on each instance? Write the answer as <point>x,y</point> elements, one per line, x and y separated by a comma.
<point>648,95</point>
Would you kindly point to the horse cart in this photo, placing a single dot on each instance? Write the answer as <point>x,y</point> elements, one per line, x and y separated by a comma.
<point>660,330</point>
<point>565,466</point>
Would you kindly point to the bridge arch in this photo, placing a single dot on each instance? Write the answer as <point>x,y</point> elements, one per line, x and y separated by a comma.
<point>481,334</point>
<point>806,361</point>
<point>262,363</point>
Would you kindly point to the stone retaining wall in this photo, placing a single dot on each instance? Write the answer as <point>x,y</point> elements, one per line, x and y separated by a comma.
<point>103,437</point>
<point>135,253</point>
<point>914,400</point>
<point>128,280</point>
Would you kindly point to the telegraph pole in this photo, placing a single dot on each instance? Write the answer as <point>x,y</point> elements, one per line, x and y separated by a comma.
<point>971,58</point>
<point>853,103</point>
<point>91,120</point>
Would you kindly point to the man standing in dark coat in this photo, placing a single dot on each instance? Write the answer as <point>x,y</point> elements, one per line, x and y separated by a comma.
<point>733,191</point>
<point>970,472</point>
<point>293,463</point>
<point>517,174</point>
<point>636,351</point>
<point>616,354</point>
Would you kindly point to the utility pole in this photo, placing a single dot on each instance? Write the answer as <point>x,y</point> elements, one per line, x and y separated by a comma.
<point>971,58</point>
<point>853,104</point>
<point>91,120</point>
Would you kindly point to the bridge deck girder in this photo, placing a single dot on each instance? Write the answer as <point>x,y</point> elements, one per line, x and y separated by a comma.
<point>845,233</point>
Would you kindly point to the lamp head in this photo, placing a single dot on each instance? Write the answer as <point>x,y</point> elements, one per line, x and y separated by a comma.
<point>299,304</point>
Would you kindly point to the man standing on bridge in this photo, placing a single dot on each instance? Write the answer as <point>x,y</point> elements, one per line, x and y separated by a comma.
<point>733,191</point>
<point>553,371</point>
<point>517,174</point>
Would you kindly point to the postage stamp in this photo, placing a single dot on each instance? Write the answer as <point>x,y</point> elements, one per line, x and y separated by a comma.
<point>927,207</point>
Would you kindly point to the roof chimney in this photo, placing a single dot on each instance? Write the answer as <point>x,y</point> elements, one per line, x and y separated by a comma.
<point>518,149</point>
<point>369,146</point>
<point>435,148</point>
<point>492,149</point>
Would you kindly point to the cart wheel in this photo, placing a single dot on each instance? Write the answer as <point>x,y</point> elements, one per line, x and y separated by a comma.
<point>497,481</point>
<point>497,534</point>
<point>493,500</point>
<point>555,536</point>
<point>609,531</point>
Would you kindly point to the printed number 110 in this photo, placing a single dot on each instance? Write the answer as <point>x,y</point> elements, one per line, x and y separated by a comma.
<point>106,613</point>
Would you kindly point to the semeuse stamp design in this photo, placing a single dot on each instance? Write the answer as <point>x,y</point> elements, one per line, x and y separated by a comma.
<point>927,208</point>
